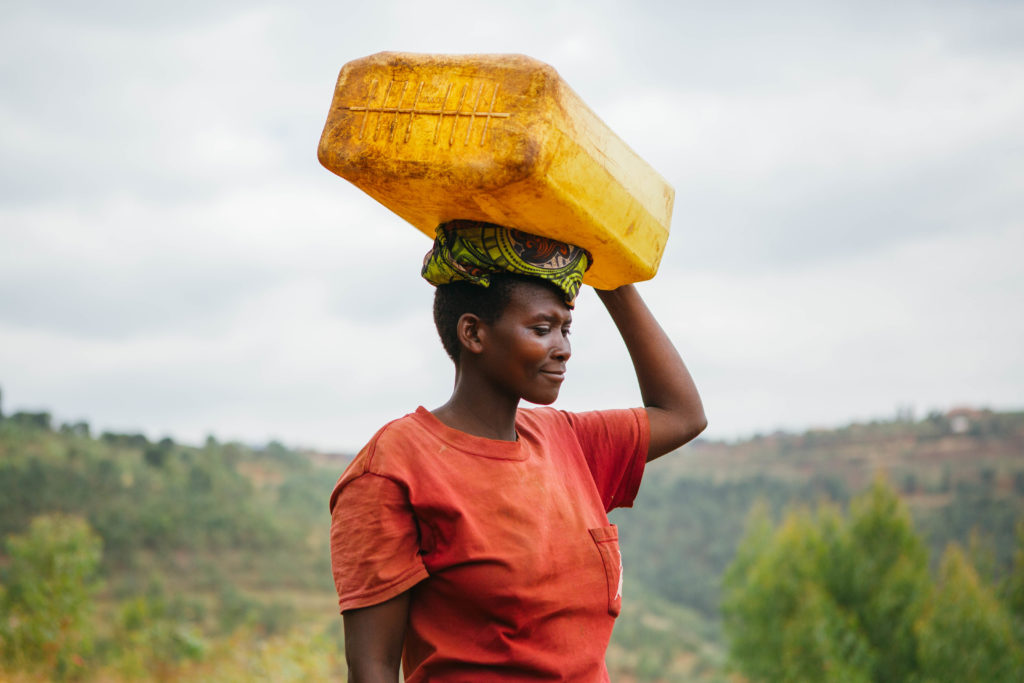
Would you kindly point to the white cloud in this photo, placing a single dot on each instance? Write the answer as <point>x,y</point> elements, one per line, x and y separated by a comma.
<point>931,324</point>
<point>173,258</point>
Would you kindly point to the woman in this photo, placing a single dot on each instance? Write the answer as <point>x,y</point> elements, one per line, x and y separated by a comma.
<point>471,542</point>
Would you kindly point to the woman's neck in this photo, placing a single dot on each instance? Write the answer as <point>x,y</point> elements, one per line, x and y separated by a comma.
<point>475,410</point>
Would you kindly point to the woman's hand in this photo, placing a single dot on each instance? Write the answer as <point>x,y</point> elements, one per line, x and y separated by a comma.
<point>673,405</point>
<point>374,637</point>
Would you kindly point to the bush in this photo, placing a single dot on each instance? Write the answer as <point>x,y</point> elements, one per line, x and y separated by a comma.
<point>50,583</point>
<point>824,597</point>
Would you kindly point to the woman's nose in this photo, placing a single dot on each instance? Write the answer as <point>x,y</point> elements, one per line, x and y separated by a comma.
<point>563,348</point>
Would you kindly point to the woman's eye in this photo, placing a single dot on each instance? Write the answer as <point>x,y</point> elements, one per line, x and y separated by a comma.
<point>542,330</point>
<point>566,331</point>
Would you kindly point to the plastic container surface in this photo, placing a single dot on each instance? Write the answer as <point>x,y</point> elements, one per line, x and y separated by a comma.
<point>501,139</point>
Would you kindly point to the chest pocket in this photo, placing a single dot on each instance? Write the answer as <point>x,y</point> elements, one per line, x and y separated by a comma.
<point>607,540</point>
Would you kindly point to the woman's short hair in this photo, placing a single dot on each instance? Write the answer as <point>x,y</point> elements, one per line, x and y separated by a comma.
<point>453,300</point>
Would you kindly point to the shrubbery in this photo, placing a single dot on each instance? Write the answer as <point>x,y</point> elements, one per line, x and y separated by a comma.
<point>825,597</point>
<point>127,559</point>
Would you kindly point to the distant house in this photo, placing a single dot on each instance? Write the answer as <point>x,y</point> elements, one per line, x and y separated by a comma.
<point>961,419</point>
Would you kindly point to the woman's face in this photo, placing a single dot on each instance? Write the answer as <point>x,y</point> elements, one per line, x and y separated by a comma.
<point>527,347</point>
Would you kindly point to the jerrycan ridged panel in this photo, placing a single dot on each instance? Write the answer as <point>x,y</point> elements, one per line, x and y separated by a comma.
<point>501,139</point>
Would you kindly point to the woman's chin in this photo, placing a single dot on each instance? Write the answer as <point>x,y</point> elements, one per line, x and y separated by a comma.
<point>544,400</point>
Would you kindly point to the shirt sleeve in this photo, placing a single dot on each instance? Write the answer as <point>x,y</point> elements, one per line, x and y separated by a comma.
<point>374,542</point>
<point>614,443</point>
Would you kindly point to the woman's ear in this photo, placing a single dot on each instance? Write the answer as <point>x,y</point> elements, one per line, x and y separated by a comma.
<point>471,331</point>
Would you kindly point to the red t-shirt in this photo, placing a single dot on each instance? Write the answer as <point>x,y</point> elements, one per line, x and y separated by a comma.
<point>514,569</point>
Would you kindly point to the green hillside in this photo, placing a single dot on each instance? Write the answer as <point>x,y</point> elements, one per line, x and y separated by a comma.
<point>204,551</point>
<point>961,475</point>
<point>211,562</point>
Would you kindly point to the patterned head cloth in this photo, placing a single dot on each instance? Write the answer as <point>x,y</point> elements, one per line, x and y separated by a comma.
<point>472,251</point>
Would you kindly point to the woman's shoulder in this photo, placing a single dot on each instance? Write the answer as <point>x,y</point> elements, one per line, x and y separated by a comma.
<point>389,453</point>
<point>395,440</point>
<point>616,420</point>
<point>542,416</point>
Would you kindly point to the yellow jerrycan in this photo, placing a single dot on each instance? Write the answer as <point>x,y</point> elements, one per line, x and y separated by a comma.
<point>501,139</point>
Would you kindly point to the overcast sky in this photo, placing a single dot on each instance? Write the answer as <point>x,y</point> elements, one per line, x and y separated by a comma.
<point>847,239</point>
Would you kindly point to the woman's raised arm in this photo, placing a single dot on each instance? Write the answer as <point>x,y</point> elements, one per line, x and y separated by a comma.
<point>673,405</point>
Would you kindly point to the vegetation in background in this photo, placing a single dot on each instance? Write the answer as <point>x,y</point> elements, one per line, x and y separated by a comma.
<point>824,597</point>
<point>130,559</point>
<point>47,597</point>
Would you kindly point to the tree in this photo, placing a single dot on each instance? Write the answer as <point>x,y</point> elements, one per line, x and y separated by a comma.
<point>881,577</point>
<point>1013,587</point>
<point>40,420</point>
<point>50,584</point>
<point>823,598</point>
<point>966,634</point>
